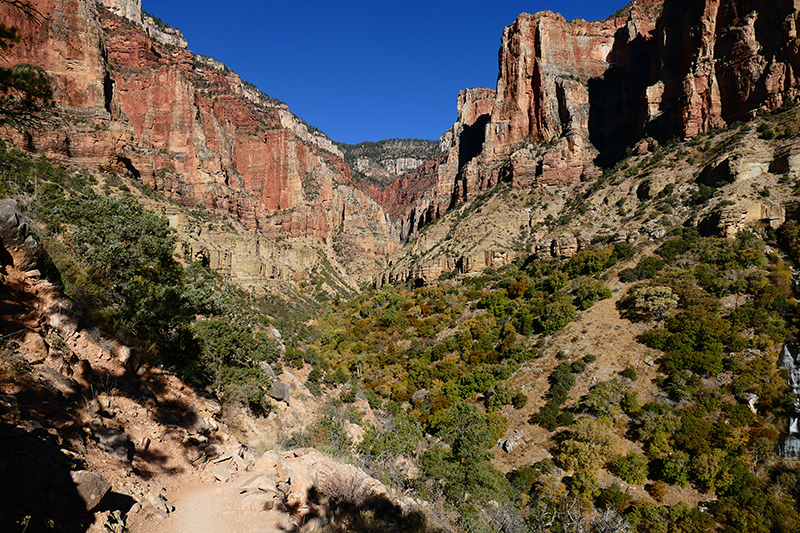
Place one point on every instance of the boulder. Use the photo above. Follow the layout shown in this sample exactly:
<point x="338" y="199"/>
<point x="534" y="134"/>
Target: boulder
<point x="222" y="473"/>
<point x="57" y="382"/>
<point x="513" y="441"/>
<point x="564" y="246"/>
<point x="18" y="247"/>
<point x="115" y="442"/>
<point x="91" y="488"/>
<point x="33" y="348"/>
<point x="281" y="391"/>
<point x="267" y="368"/>
<point x="258" y="502"/>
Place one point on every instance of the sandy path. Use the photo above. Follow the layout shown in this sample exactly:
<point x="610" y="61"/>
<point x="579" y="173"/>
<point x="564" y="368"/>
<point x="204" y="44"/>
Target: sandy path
<point x="215" y="508"/>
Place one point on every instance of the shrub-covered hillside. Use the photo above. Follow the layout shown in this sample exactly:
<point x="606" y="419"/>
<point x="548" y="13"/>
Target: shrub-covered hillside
<point x="719" y="311"/>
<point x="116" y="259"/>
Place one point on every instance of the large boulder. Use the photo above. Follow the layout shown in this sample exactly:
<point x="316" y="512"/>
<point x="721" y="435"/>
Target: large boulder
<point x="91" y="487"/>
<point x="76" y="494"/>
<point x="18" y="247"/>
<point x="281" y="391"/>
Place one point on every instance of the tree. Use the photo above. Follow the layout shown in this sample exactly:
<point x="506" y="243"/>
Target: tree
<point x="591" y="444"/>
<point x="675" y="468"/>
<point x="654" y="302"/>
<point x="122" y="270"/>
<point x="466" y="467"/>
<point x="632" y="468"/>
<point x="25" y="92"/>
<point x="556" y="316"/>
<point x="605" y="397"/>
<point x="591" y="291"/>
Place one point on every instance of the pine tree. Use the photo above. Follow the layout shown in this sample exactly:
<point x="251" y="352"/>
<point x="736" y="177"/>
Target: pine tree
<point x="25" y="92"/>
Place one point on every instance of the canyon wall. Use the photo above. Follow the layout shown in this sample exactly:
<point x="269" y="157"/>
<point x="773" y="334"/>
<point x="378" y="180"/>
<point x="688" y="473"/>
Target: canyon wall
<point x="574" y="96"/>
<point x="571" y="98"/>
<point x="131" y="96"/>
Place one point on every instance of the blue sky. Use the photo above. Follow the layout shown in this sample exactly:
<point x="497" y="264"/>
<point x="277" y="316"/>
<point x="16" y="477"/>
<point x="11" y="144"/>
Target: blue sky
<point x="362" y="70"/>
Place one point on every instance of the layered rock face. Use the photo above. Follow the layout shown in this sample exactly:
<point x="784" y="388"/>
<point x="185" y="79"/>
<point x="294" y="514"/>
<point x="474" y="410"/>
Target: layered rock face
<point x="573" y="95"/>
<point x="206" y="137"/>
<point x="131" y="95"/>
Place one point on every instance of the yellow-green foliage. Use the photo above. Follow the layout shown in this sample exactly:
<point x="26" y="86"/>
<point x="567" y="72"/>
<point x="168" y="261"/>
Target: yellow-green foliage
<point x="591" y="444"/>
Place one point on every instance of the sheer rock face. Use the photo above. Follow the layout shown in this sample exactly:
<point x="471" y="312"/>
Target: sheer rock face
<point x="188" y="127"/>
<point x="67" y="42"/>
<point x="212" y="140"/>
<point x="573" y="94"/>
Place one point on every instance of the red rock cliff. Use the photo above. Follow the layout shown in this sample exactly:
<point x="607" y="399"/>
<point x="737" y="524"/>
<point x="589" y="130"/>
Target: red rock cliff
<point x="133" y="95"/>
<point x="572" y="95"/>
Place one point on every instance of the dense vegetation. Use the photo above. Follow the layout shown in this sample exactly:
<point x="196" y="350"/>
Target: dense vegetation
<point x="722" y="309"/>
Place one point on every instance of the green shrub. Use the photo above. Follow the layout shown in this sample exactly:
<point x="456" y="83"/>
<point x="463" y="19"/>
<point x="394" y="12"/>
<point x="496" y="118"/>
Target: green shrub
<point x="590" y="444"/>
<point x="614" y="497"/>
<point x="465" y="468"/>
<point x="576" y="367"/>
<point x="604" y="398"/>
<point x="765" y="131"/>
<point x="646" y="269"/>
<point x="547" y="417"/>
<point x="632" y="468"/>
<point x="519" y="400"/>
<point x="565" y="418"/>
<point x="675" y="468"/>
<point x="122" y="271"/>
<point x="247" y="386"/>
<point x="589" y="262"/>
<point x="556" y="316"/>
<point x="647" y="301"/>
<point x="591" y="291"/>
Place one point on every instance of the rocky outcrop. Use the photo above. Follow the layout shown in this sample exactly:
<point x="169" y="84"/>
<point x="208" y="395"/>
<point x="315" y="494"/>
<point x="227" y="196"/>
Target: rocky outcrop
<point x="18" y="247"/>
<point x="128" y="9"/>
<point x="155" y="28"/>
<point x="737" y="218"/>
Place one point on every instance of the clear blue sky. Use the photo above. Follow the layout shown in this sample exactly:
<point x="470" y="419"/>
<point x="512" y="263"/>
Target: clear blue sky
<point x="362" y="70"/>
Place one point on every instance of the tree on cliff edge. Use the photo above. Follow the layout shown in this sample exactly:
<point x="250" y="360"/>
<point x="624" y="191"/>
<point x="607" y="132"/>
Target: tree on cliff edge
<point x="25" y="92"/>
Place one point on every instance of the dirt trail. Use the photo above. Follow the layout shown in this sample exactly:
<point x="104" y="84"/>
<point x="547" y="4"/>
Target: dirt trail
<point x="215" y="508"/>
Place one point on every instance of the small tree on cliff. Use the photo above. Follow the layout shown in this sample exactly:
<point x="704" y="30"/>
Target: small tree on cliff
<point x="25" y="92"/>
